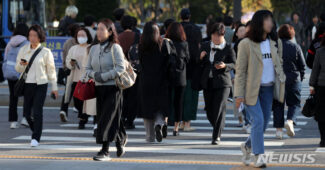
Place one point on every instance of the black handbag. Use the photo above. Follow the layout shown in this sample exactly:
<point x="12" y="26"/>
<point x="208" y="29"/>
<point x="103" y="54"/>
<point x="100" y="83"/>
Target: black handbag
<point x="309" y="107"/>
<point x="20" y="85"/>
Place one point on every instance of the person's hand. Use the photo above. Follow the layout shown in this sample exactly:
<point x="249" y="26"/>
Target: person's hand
<point x="203" y="54"/>
<point x="221" y="65"/>
<point x="23" y="63"/>
<point x="312" y="90"/>
<point x="239" y="101"/>
<point x="98" y="77"/>
<point x="56" y="94"/>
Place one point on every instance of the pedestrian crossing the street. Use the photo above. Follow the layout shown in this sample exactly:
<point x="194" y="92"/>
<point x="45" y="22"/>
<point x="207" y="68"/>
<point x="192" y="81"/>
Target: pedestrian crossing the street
<point x="68" y="137"/>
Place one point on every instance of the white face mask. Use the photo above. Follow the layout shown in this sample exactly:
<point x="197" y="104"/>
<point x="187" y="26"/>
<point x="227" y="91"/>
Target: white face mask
<point x="82" y="40"/>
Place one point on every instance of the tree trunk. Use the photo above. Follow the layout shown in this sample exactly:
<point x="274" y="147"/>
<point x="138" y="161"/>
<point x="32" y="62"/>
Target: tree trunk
<point x="237" y="10"/>
<point x="157" y="7"/>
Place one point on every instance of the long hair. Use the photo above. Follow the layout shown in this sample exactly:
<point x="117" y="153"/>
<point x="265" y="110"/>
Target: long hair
<point x="320" y="30"/>
<point x="149" y="42"/>
<point x="113" y="38"/>
<point x="256" y="30"/>
<point x="235" y="37"/>
<point x="176" y="32"/>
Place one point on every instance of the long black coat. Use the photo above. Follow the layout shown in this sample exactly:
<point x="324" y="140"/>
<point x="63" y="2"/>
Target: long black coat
<point x="183" y="53"/>
<point x="194" y="38"/>
<point x="221" y="77"/>
<point x="153" y="83"/>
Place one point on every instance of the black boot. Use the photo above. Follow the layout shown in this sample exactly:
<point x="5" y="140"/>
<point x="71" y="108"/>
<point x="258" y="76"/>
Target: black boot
<point x="164" y="130"/>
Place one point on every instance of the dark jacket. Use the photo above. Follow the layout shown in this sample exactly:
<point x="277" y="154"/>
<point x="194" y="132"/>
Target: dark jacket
<point x="293" y="61"/>
<point x="317" y="77"/>
<point x="315" y="44"/>
<point x="153" y="83"/>
<point x="182" y="53"/>
<point x="221" y="78"/>
<point x="193" y="37"/>
<point x="64" y="26"/>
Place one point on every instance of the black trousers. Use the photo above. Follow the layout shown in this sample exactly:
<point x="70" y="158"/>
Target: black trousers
<point x="79" y="105"/>
<point x="34" y="98"/>
<point x="65" y="106"/>
<point x="131" y="104"/>
<point x="321" y="127"/>
<point x="13" y="102"/>
<point x="109" y="111"/>
<point x="179" y="92"/>
<point x="216" y="106"/>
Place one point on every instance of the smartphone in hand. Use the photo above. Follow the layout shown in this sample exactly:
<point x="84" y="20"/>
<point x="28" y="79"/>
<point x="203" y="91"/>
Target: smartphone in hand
<point x="53" y="96"/>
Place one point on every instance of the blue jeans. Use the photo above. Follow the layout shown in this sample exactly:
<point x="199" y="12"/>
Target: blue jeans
<point x="292" y="99"/>
<point x="259" y="117"/>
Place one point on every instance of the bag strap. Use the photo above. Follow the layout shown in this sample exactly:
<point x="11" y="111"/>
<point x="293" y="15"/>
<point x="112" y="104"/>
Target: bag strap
<point x="113" y="56"/>
<point x="32" y="59"/>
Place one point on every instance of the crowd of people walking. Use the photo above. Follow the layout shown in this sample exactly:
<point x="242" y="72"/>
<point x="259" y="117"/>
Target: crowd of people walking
<point x="259" y="66"/>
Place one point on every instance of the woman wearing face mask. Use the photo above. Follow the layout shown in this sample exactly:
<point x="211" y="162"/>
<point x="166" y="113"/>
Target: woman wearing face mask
<point x="106" y="62"/>
<point x="74" y="61"/>
<point x="259" y="75"/>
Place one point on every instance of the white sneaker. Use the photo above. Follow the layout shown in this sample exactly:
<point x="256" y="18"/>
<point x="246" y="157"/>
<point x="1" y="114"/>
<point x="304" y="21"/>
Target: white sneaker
<point x="34" y="143"/>
<point x="75" y="110"/>
<point x="24" y="122"/>
<point x="279" y="134"/>
<point x="63" y="116"/>
<point x="248" y="129"/>
<point x="188" y="129"/>
<point x="13" y="125"/>
<point x="246" y="154"/>
<point x="290" y="129"/>
<point x="259" y="162"/>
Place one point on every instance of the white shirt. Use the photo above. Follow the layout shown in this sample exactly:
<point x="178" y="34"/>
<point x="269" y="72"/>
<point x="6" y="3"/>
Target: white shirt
<point x="213" y="53"/>
<point x="268" y="67"/>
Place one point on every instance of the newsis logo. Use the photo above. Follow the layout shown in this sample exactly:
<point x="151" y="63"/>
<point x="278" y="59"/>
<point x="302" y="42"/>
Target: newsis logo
<point x="293" y="158"/>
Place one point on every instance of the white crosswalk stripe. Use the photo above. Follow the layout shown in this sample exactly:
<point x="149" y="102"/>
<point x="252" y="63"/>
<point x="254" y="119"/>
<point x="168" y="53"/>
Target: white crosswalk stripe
<point x="196" y="142"/>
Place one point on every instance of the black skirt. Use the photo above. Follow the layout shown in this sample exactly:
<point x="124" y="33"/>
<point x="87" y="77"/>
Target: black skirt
<point x="320" y="106"/>
<point x="109" y="110"/>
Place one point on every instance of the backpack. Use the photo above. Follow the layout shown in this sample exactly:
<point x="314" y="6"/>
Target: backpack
<point x="133" y="54"/>
<point x="9" y="63"/>
<point x="176" y="64"/>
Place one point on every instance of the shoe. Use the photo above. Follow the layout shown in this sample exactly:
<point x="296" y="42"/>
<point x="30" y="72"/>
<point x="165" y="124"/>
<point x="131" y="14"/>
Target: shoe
<point x="259" y="162"/>
<point x="120" y="151"/>
<point x="290" y="129"/>
<point x="188" y="129"/>
<point x="63" y="116"/>
<point x="158" y="133"/>
<point x="102" y="156"/>
<point x="248" y="129"/>
<point x="95" y="130"/>
<point x="240" y="125"/>
<point x="75" y="110"/>
<point x="34" y="143"/>
<point x="230" y="100"/>
<point x="13" y="125"/>
<point x="24" y="122"/>
<point x="175" y="133"/>
<point x="322" y="144"/>
<point x="216" y="141"/>
<point x="279" y="134"/>
<point x="82" y="125"/>
<point x="164" y="131"/>
<point x="246" y="154"/>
